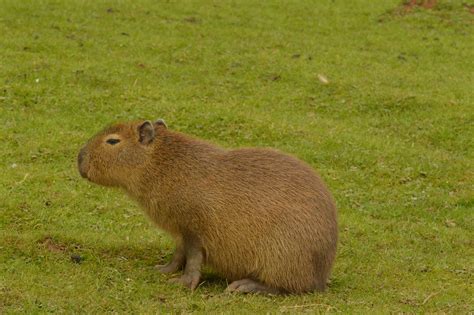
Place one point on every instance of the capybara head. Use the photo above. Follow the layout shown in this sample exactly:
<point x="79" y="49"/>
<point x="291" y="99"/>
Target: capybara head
<point x="117" y="154"/>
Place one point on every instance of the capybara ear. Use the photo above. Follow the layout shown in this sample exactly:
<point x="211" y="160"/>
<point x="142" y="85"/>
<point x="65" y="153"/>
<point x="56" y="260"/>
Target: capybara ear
<point x="146" y="132"/>
<point x="161" y="122"/>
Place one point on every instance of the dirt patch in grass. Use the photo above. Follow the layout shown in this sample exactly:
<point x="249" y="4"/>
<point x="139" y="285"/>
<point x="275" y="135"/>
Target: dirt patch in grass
<point x="447" y="12"/>
<point x="8" y="297"/>
<point x="426" y="4"/>
<point x="469" y="7"/>
<point x="52" y="245"/>
<point x="408" y="6"/>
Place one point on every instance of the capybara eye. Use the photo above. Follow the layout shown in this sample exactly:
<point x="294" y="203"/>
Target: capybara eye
<point x="113" y="141"/>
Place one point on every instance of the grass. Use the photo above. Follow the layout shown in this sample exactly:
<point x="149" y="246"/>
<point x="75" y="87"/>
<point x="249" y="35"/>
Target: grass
<point x="391" y="133"/>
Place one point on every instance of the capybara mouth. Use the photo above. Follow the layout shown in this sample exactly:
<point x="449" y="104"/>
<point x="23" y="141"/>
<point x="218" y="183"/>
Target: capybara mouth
<point x="80" y="164"/>
<point x="83" y="172"/>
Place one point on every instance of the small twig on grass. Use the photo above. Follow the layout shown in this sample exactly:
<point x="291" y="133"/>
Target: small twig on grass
<point x="429" y="297"/>
<point x="24" y="178"/>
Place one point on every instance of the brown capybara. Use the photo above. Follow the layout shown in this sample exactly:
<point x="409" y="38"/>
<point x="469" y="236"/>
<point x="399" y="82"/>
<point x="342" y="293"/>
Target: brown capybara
<point x="258" y="217"/>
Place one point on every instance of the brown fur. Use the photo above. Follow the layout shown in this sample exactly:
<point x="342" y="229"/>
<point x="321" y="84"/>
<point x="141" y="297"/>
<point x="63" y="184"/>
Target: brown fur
<point x="250" y="213"/>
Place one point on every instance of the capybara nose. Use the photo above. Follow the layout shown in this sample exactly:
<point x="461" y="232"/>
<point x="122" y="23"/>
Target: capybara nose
<point x="80" y="160"/>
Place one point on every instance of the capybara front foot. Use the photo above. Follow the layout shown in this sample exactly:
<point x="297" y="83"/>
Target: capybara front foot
<point x="250" y="286"/>
<point x="176" y="263"/>
<point x="170" y="267"/>
<point x="188" y="280"/>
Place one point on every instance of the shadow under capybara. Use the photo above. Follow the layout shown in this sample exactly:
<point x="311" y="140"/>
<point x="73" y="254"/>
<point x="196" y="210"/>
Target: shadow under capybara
<point x="260" y="218"/>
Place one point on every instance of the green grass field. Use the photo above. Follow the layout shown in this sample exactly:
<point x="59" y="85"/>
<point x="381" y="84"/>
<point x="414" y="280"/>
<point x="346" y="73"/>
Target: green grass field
<point x="380" y="101"/>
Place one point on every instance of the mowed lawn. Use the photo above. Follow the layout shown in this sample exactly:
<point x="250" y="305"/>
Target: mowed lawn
<point x="377" y="97"/>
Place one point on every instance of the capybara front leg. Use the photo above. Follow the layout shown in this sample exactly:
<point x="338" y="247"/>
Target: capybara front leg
<point x="176" y="263"/>
<point x="192" y="271"/>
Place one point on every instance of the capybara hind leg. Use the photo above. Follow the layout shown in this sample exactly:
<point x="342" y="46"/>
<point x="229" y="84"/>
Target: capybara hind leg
<point x="176" y="263"/>
<point x="250" y="286"/>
